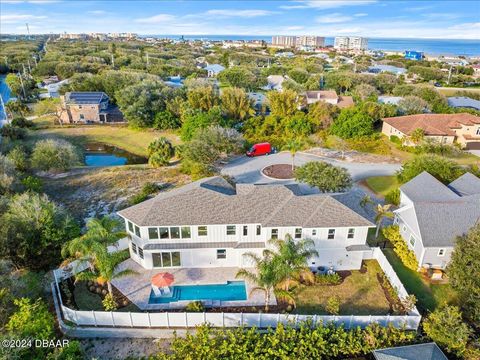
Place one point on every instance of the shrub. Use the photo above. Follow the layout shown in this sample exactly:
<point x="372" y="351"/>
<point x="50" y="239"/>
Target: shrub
<point x="8" y="174"/>
<point x="12" y="132"/>
<point x="195" y="306"/>
<point x="147" y="190"/>
<point x="443" y="169"/>
<point x="109" y="303"/>
<point x="328" y="279"/>
<point x="160" y="152"/>
<point x="33" y="183"/>
<point x="195" y="169"/>
<point x="324" y="176"/>
<point x="21" y="122"/>
<point x="352" y="123"/>
<point x="19" y="157"/>
<point x="395" y="139"/>
<point x="333" y="305"/>
<point x="54" y="155"/>
<point x="369" y="144"/>
<point x="400" y="246"/>
<point x="166" y="120"/>
<point x="393" y="197"/>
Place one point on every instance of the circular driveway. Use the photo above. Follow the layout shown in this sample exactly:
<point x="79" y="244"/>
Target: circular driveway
<point x="247" y="170"/>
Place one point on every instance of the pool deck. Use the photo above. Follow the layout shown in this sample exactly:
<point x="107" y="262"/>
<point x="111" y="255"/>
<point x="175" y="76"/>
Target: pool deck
<point x="137" y="287"/>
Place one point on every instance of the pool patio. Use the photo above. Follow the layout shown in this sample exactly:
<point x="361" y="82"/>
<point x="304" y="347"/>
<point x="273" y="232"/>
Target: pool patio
<point x="137" y="287"/>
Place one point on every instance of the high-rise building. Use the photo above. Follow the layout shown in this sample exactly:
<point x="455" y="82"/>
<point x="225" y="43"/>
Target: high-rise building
<point x="351" y="43"/>
<point x="313" y="41"/>
<point x="287" y="41"/>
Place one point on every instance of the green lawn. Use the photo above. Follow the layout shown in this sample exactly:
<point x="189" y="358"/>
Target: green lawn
<point x="360" y="294"/>
<point x="382" y="184"/>
<point x="133" y="141"/>
<point x="86" y="300"/>
<point x="429" y="295"/>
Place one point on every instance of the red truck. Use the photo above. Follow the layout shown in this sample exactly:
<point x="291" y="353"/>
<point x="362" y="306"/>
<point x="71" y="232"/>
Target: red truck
<point x="260" y="149"/>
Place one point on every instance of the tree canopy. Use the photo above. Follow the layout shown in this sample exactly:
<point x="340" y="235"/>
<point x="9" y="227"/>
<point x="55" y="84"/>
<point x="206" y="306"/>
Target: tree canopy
<point x="324" y="176"/>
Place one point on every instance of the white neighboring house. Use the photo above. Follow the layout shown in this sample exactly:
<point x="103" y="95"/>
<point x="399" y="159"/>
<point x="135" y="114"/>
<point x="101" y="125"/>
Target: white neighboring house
<point x="432" y="215"/>
<point x="210" y="223"/>
<point x="214" y="69"/>
<point x="274" y="82"/>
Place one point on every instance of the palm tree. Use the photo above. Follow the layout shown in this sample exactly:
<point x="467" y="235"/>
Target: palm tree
<point x="294" y="146"/>
<point x="106" y="269"/>
<point x="365" y="200"/>
<point x="291" y="259"/>
<point x="265" y="276"/>
<point x="382" y="212"/>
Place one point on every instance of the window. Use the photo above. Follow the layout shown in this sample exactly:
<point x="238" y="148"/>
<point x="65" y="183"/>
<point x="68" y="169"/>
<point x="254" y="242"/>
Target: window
<point x="202" y="231"/>
<point x="175" y="232"/>
<point x="137" y="231"/>
<point x="221" y="254"/>
<point x="404" y="228"/>
<point x="259" y="229"/>
<point x="314" y="232"/>
<point x="186" y="232"/>
<point x="230" y="229"/>
<point x="274" y="234"/>
<point x="130" y="226"/>
<point x="478" y="131"/>
<point x="153" y="233"/>
<point x="245" y="230"/>
<point x="331" y="234"/>
<point x="134" y="247"/>
<point x="82" y="117"/>
<point x="441" y="252"/>
<point x="166" y="259"/>
<point x="351" y="233"/>
<point x="298" y="233"/>
<point x="412" y="241"/>
<point x="140" y="252"/>
<point x="163" y="233"/>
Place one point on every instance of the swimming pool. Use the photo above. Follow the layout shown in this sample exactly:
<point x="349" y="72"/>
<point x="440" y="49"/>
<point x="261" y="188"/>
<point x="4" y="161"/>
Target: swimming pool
<point x="231" y="291"/>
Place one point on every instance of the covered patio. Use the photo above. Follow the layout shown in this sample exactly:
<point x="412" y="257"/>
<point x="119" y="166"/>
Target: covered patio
<point x="137" y="287"/>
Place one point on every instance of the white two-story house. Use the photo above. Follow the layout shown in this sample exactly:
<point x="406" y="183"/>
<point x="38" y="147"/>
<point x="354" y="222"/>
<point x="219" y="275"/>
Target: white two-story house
<point x="210" y="223"/>
<point x="432" y="215"/>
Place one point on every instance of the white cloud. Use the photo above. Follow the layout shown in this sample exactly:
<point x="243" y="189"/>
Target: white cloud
<point x="360" y="14"/>
<point x="160" y="18"/>
<point x="294" y="28"/>
<point x="15" y="18"/>
<point x="39" y="2"/>
<point x="333" y="18"/>
<point x="98" y="12"/>
<point x="328" y="4"/>
<point x="239" y="13"/>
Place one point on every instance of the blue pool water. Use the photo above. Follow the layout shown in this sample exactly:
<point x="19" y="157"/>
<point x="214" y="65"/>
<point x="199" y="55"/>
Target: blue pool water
<point x="99" y="154"/>
<point x="231" y="291"/>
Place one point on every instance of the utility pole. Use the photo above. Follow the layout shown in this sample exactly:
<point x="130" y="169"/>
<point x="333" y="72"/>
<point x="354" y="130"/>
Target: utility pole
<point x="23" y="87"/>
<point x="113" y="62"/>
<point x="28" y="31"/>
<point x="148" y="62"/>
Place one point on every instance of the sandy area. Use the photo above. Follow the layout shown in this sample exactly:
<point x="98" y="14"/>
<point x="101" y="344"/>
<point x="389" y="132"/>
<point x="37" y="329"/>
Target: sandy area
<point x="107" y="349"/>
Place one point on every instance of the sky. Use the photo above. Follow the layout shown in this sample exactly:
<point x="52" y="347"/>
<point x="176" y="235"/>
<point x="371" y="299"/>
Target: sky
<point x="370" y="18"/>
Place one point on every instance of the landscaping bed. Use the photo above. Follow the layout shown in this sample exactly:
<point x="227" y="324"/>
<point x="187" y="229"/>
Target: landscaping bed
<point x="279" y="171"/>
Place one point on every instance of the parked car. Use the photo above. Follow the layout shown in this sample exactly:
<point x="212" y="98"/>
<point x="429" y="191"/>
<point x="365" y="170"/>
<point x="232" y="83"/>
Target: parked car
<point x="260" y="149"/>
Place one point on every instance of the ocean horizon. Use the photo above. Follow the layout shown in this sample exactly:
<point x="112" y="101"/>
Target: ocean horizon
<point x="459" y="47"/>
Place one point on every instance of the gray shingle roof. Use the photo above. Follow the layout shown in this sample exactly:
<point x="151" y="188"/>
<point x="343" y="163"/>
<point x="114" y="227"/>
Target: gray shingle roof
<point x="215" y="201"/>
<point x="467" y="184"/>
<point x="425" y="187"/>
<point x="429" y="351"/>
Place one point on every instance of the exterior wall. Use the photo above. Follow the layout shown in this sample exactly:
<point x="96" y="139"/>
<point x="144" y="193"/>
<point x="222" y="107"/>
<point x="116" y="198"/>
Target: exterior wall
<point x="389" y="130"/>
<point x="407" y="234"/>
<point x="470" y="131"/>
<point x="332" y="252"/>
<point x="433" y="260"/>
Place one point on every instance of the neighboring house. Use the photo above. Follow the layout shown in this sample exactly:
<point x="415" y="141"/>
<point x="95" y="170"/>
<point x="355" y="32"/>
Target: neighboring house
<point x="428" y="351"/>
<point x="391" y="100"/>
<point x="214" y="69"/>
<point x="461" y="128"/>
<point x="274" y="82"/>
<point x="174" y="81"/>
<point x="88" y="107"/>
<point x="328" y="96"/>
<point x="53" y="89"/>
<point x="259" y="101"/>
<point x="210" y="223"/>
<point x="432" y="215"/>
<point x="377" y="69"/>
<point x="463" y="102"/>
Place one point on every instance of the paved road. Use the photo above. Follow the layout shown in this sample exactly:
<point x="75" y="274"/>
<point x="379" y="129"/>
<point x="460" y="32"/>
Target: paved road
<point x="247" y="170"/>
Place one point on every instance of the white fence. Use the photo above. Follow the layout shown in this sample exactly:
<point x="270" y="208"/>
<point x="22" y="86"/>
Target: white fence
<point x="175" y="320"/>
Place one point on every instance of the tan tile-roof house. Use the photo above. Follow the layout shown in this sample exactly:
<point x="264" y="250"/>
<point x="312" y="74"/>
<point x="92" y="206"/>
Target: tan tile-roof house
<point x="328" y="96"/>
<point x="462" y="128"/>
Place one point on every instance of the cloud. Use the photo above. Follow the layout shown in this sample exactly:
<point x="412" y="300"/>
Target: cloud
<point x="333" y="18"/>
<point x="360" y="14"/>
<point x="39" y="2"/>
<point x="239" y="13"/>
<point x="330" y="4"/>
<point x="160" y="18"/>
<point x="293" y="28"/>
<point x="15" y="18"/>
<point x="97" y="12"/>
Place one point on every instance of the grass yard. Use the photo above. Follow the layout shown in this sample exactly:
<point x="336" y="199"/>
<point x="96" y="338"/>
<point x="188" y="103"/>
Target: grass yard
<point x="429" y="295"/>
<point x="382" y="184"/>
<point x="88" y="301"/>
<point x="133" y="141"/>
<point x="360" y="294"/>
<point x="450" y="91"/>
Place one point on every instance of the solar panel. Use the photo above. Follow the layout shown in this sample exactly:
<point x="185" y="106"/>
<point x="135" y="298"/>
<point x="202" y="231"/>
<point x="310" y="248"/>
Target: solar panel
<point x="86" y="97"/>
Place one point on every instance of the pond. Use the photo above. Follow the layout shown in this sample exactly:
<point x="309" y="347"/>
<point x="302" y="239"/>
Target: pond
<point x="99" y="154"/>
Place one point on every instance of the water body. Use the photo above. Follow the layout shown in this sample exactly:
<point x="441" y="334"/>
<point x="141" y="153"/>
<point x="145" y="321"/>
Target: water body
<point x="5" y="94"/>
<point x="428" y="46"/>
<point x="99" y="154"/>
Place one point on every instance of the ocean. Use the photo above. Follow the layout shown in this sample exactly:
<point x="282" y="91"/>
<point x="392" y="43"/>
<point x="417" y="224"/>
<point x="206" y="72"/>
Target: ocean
<point x="428" y="46"/>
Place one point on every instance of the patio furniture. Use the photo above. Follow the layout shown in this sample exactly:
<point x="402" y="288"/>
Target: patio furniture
<point x="161" y="283"/>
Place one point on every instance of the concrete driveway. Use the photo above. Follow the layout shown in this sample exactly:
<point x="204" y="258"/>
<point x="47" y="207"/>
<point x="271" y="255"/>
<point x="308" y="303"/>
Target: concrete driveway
<point x="247" y="170"/>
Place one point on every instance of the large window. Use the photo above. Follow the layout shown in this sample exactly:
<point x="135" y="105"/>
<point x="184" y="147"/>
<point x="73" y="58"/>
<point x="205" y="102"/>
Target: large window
<point x="153" y="233"/>
<point x="137" y="231"/>
<point x="130" y="226"/>
<point x="231" y="229"/>
<point x="221" y="254"/>
<point x="351" y="233"/>
<point x="274" y="234"/>
<point x="175" y="232"/>
<point x="298" y="233"/>
<point x="166" y="259"/>
<point x="202" y="231"/>
<point x="140" y="252"/>
<point x="331" y="234"/>
<point x="163" y="233"/>
<point x="186" y="234"/>
<point x="134" y="247"/>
